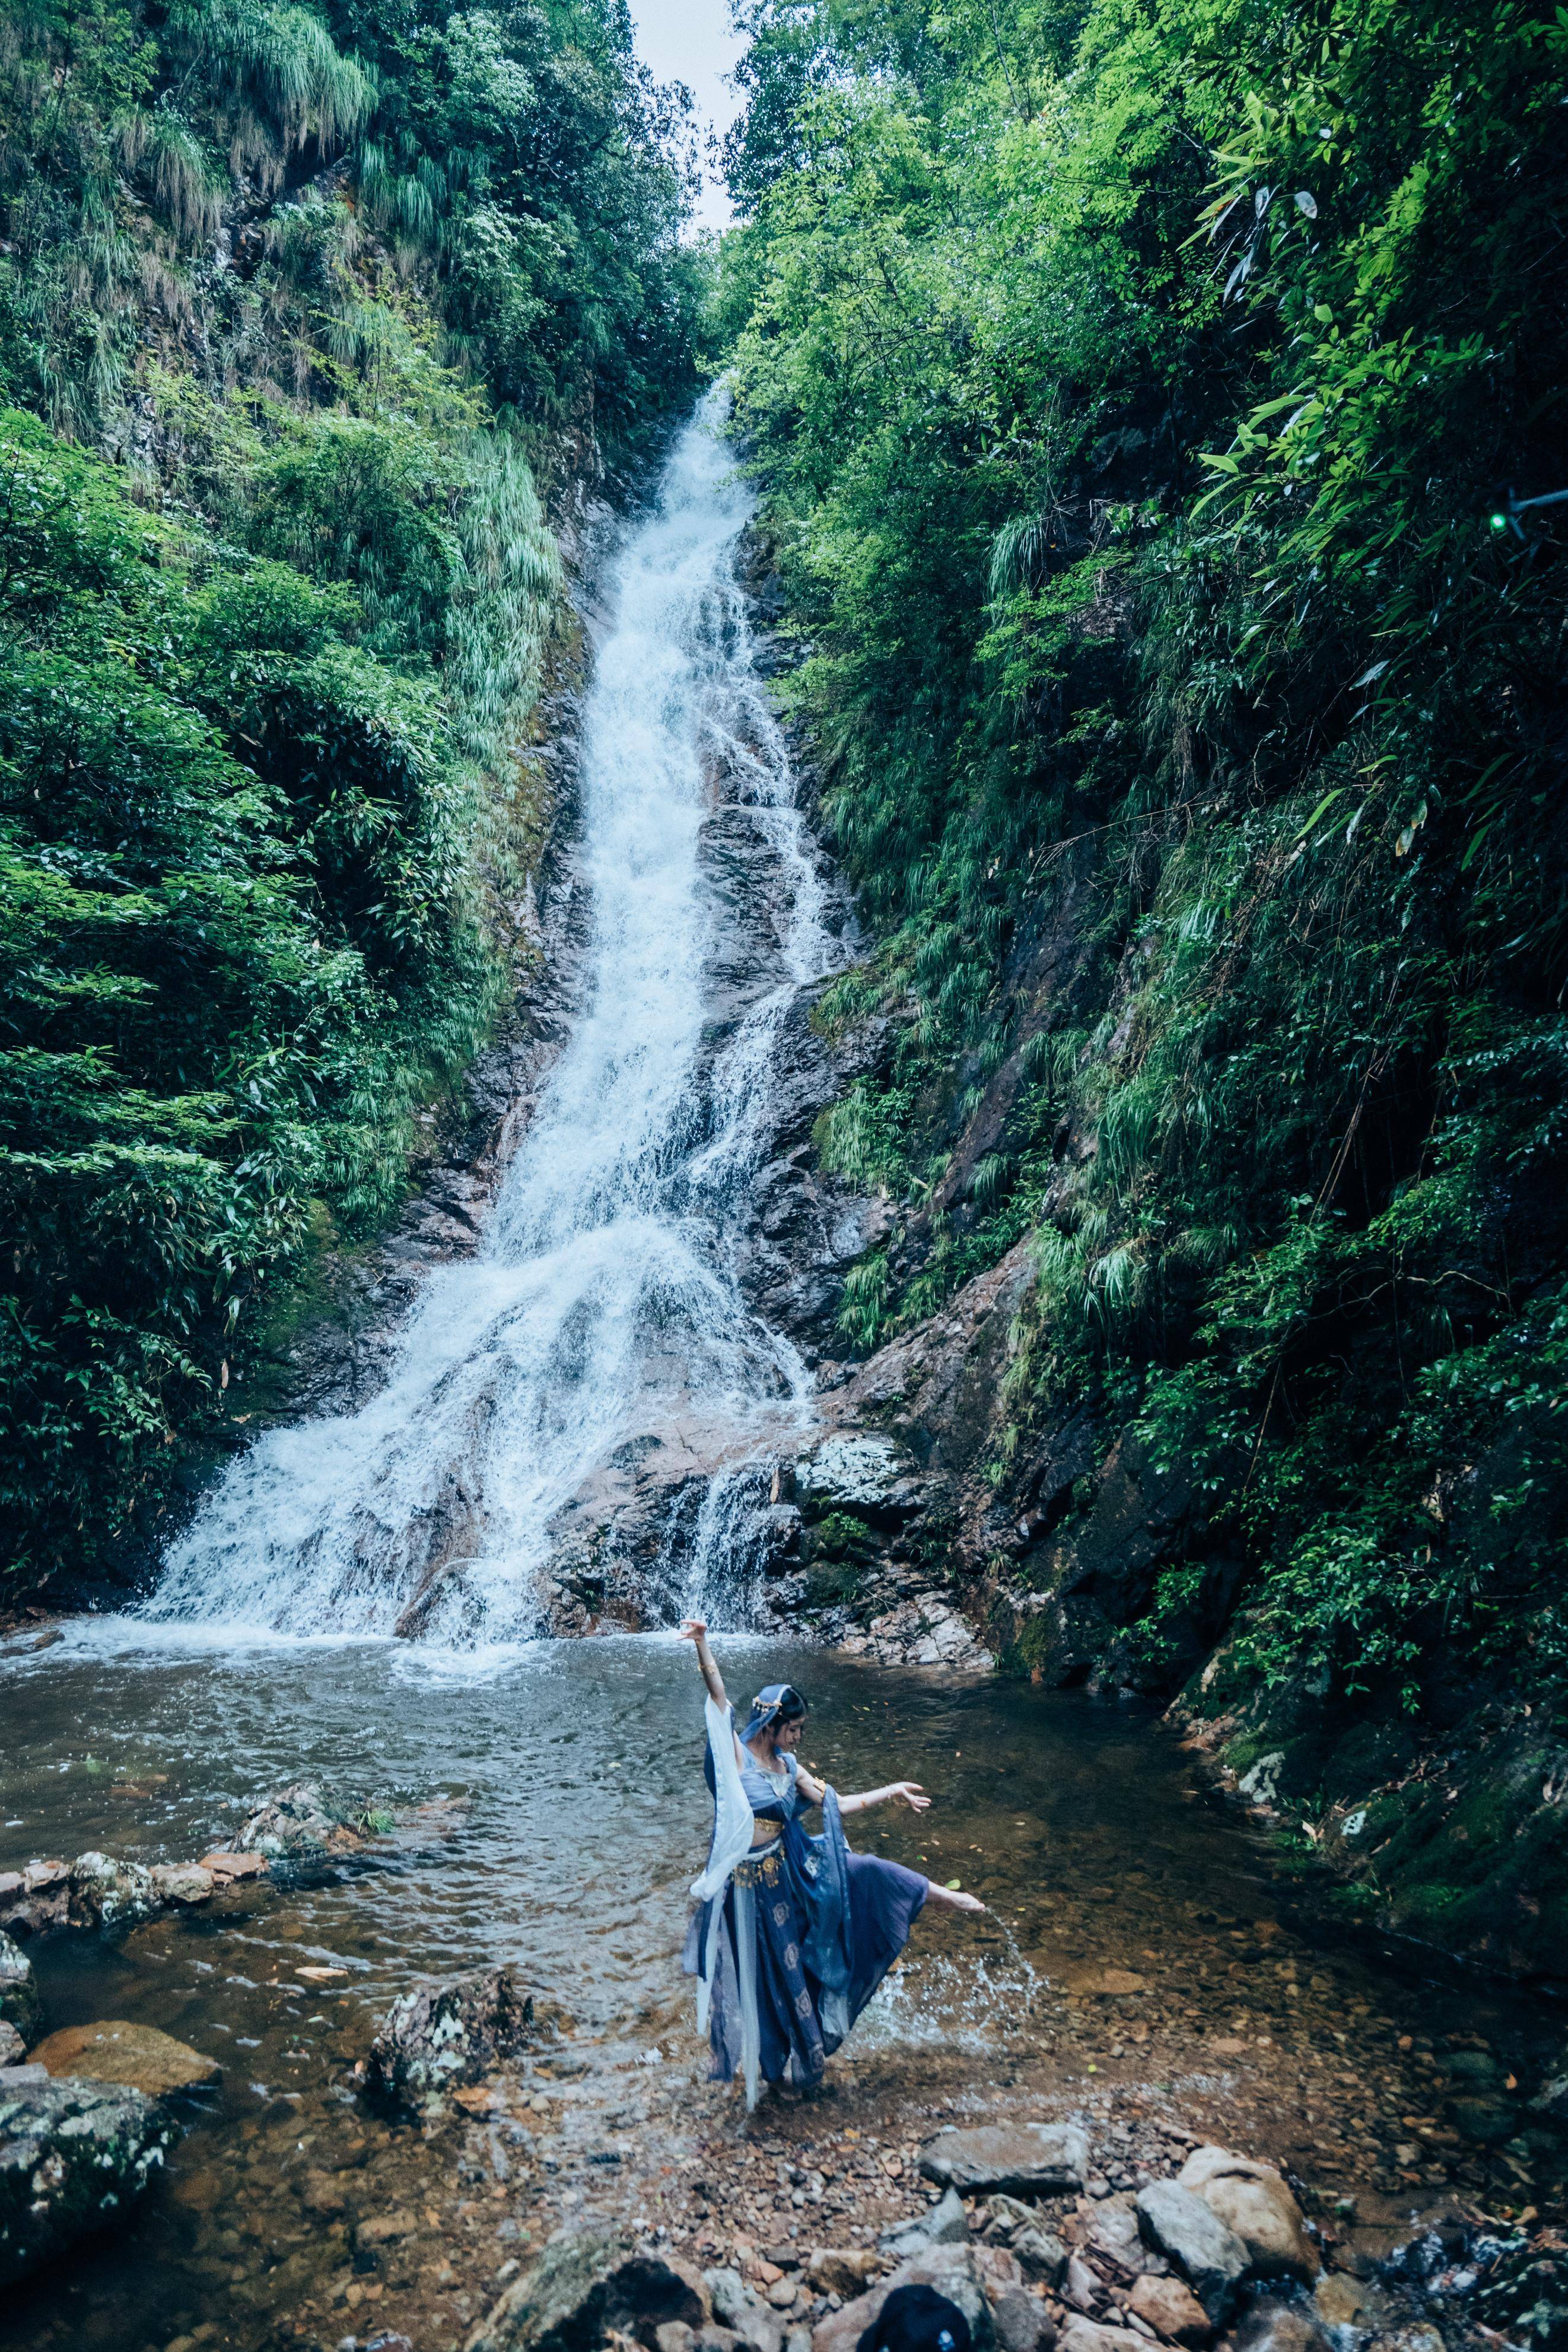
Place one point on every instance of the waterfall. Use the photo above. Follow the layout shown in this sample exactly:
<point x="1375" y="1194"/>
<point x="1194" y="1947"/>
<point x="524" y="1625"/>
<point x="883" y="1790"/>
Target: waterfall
<point x="601" y="1306"/>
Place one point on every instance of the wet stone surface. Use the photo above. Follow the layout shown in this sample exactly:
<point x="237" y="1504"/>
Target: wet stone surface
<point x="1143" y="1976"/>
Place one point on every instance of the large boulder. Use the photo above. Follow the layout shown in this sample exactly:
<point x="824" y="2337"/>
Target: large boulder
<point x="860" y="1471"/>
<point x="584" y="2285"/>
<point x="20" y="2004"/>
<point x="951" y="2270"/>
<point x="1210" y="2257"/>
<point x="74" y="2156"/>
<point x="1029" y="2160"/>
<point x="139" y="2056"/>
<point x="105" y="1893"/>
<point x="440" y="2036"/>
<point x="1252" y="2199"/>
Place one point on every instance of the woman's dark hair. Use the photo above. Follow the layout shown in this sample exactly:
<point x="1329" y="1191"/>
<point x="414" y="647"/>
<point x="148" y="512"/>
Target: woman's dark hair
<point x="779" y="1703"/>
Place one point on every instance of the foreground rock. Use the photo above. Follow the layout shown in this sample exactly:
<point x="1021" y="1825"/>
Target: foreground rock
<point x="442" y="2036"/>
<point x="952" y="2271"/>
<point x="136" y="2056"/>
<point x="1210" y="2257"/>
<point x="1029" y="2160"/>
<point x="581" y="2288"/>
<point x="20" y="2007"/>
<point x="74" y="2156"/>
<point x="1252" y="2199"/>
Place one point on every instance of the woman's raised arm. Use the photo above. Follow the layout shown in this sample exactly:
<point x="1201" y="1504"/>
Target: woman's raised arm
<point x="695" y="1630"/>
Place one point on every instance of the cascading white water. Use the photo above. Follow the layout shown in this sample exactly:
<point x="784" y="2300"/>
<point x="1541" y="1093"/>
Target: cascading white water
<point x="600" y="1308"/>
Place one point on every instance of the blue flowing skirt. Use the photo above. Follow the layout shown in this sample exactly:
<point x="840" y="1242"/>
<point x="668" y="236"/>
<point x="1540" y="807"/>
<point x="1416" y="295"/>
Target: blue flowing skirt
<point x="800" y="2021"/>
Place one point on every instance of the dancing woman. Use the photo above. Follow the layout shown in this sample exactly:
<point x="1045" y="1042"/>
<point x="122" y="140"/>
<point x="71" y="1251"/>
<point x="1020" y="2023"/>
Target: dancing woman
<point x="792" y="1934"/>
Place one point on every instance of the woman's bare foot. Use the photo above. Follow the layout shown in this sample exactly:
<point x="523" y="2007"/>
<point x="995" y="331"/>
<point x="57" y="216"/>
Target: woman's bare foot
<point x="953" y="1898"/>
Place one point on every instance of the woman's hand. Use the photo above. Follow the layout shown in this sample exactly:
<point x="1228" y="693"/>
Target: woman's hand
<point x="695" y="1630"/>
<point x="913" y="1795"/>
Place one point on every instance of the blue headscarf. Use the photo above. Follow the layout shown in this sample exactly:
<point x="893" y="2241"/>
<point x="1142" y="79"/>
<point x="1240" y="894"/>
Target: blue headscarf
<point x="772" y="1706"/>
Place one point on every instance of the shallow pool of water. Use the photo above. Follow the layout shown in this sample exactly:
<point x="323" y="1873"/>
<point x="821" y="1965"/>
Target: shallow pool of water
<point x="581" y="1819"/>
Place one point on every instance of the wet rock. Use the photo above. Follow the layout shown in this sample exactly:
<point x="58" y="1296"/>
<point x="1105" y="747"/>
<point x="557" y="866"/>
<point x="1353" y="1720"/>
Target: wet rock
<point x="1253" y="2200"/>
<point x="868" y="1474"/>
<point x="1022" y="2323"/>
<point x="74" y="2156"/>
<point x="1171" y="2309"/>
<point x="1209" y="2254"/>
<point x="105" y="1893"/>
<point x="441" y="2035"/>
<point x="946" y="2223"/>
<point x="1081" y="2334"/>
<point x="1271" y="2324"/>
<point x="186" y="1882"/>
<point x="926" y="1630"/>
<point x="36" y="1898"/>
<point x="951" y="2270"/>
<point x="584" y="2285"/>
<point x="20" y="2004"/>
<point x="12" y="2049"/>
<point x="1030" y="2159"/>
<point x="298" y="1823"/>
<point x="114" y="2051"/>
<point x="227" y="1867"/>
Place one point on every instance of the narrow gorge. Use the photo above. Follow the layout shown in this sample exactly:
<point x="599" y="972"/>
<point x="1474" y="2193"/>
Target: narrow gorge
<point x="853" y="925"/>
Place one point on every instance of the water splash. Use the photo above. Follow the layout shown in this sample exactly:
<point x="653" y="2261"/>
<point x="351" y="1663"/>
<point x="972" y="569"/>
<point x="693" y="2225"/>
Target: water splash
<point x="601" y="1308"/>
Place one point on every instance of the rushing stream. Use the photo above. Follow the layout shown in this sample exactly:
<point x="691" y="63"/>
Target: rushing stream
<point x="1133" y="1921"/>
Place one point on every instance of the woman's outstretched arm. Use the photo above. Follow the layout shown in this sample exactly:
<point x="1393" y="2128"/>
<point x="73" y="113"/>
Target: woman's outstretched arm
<point x="695" y="1630"/>
<point x="913" y="1794"/>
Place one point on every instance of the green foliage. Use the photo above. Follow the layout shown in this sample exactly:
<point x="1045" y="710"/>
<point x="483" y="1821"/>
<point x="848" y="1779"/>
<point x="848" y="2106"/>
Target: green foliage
<point x="324" y="289"/>
<point x="1137" y="396"/>
<point x="241" y="934"/>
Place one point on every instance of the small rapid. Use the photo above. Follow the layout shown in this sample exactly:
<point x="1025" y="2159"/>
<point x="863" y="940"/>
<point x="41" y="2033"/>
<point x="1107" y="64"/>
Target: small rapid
<point x="601" y="1308"/>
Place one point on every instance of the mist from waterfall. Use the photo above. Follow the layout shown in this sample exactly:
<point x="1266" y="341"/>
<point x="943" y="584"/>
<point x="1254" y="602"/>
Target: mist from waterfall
<point x="600" y="1308"/>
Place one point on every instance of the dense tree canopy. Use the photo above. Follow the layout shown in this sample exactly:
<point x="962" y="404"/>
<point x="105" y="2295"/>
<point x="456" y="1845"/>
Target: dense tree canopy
<point x="1150" y="396"/>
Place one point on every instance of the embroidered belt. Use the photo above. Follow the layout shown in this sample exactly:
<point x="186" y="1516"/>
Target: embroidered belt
<point x="757" y="1873"/>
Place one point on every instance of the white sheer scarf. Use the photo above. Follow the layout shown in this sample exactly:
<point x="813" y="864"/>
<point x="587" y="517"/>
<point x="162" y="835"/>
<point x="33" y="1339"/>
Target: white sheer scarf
<point x="731" y="1844"/>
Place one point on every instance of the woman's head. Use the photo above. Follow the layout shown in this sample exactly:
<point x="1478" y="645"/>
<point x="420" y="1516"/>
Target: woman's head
<point x="777" y="1715"/>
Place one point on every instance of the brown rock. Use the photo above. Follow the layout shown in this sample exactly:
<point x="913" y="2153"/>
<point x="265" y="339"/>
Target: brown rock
<point x="841" y="2270"/>
<point x="382" y="2228"/>
<point x="114" y="2051"/>
<point x="1171" y="2309"/>
<point x="321" y="2194"/>
<point x="1252" y="2199"/>
<point x="226" y="1867"/>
